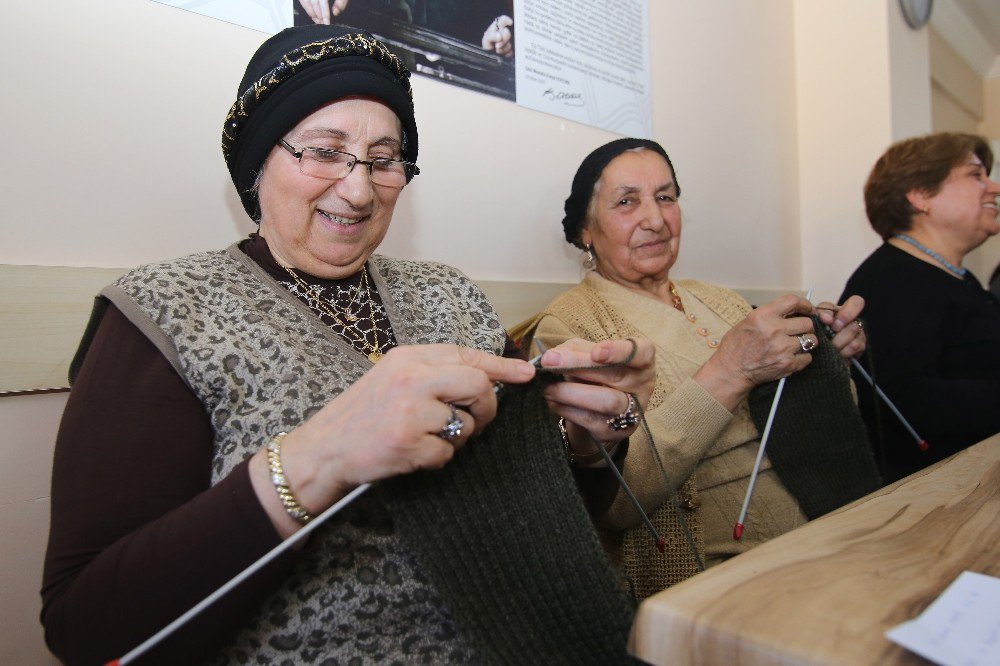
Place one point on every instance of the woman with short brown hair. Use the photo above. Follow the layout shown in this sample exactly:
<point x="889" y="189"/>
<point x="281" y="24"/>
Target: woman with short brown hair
<point x="934" y="331"/>
<point x="920" y="163"/>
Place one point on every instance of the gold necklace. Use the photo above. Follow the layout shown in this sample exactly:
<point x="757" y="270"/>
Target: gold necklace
<point x="347" y="312"/>
<point x="323" y="306"/>
<point x="690" y="316"/>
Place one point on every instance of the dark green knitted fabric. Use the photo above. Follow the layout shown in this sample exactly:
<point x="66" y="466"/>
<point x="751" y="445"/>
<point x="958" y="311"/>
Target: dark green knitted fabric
<point x="818" y="444"/>
<point x="505" y="537"/>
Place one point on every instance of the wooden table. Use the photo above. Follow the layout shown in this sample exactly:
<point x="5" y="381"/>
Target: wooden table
<point x="826" y="592"/>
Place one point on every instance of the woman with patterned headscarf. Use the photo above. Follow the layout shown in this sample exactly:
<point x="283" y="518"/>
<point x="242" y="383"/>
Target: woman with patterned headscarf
<point x="223" y="400"/>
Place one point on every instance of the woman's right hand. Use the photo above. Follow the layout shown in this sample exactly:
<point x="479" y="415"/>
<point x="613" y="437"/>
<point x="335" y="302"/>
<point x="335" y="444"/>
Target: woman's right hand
<point x="387" y="423"/>
<point x="763" y="347"/>
<point x="498" y="36"/>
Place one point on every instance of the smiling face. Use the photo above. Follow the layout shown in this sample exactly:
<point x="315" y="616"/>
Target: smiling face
<point x="964" y="210"/>
<point x="329" y="228"/>
<point x="634" y="220"/>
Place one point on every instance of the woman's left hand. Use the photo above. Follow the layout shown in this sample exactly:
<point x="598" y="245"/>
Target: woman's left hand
<point x="849" y="333"/>
<point x="588" y="398"/>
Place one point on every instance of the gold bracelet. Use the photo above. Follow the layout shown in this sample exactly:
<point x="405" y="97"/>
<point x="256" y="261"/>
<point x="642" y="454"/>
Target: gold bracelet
<point x="280" y="481"/>
<point x="583" y="459"/>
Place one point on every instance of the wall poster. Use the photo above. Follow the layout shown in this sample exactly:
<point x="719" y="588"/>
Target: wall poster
<point x="584" y="60"/>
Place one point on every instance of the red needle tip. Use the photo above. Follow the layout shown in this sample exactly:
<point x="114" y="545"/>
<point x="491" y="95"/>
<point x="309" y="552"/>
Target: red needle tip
<point x="113" y="662"/>
<point x="738" y="531"/>
<point x="661" y="545"/>
<point x="923" y="445"/>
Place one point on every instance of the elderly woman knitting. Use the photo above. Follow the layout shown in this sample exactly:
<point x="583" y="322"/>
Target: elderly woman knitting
<point x="711" y="351"/>
<point x="226" y="398"/>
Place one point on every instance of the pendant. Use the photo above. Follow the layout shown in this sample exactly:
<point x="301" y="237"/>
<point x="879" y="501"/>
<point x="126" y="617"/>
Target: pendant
<point x="374" y="356"/>
<point x="349" y="317"/>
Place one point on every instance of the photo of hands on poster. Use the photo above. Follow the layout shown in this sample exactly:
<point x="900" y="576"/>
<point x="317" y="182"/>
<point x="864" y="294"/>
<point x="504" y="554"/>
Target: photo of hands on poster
<point x="469" y="44"/>
<point x="583" y="60"/>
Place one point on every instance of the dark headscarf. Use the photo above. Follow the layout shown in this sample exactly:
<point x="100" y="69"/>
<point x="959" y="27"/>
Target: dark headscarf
<point x="294" y="73"/>
<point x="589" y="172"/>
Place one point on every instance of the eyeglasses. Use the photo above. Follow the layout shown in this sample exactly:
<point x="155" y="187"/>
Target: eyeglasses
<point x="335" y="164"/>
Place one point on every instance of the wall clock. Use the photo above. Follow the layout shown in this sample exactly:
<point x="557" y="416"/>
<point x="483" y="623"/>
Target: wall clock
<point x="916" y="12"/>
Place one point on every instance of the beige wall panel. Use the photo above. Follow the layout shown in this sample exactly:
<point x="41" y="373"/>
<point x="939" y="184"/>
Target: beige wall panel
<point x="43" y="312"/>
<point x="29" y="425"/>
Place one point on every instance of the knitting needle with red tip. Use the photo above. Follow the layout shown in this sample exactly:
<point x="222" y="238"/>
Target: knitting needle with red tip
<point x="660" y="543"/>
<point x="921" y="442"/>
<point x="739" y="526"/>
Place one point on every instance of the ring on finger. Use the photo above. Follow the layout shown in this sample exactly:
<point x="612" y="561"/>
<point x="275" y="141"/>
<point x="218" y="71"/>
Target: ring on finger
<point x="452" y="430"/>
<point x="626" y="419"/>
<point x="806" y="343"/>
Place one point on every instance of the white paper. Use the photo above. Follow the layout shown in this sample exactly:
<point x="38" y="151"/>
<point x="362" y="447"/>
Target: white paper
<point x="961" y="627"/>
<point x="268" y="16"/>
<point x="586" y="60"/>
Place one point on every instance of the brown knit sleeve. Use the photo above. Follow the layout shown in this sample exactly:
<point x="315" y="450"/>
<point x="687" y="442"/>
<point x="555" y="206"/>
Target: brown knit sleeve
<point x="137" y="534"/>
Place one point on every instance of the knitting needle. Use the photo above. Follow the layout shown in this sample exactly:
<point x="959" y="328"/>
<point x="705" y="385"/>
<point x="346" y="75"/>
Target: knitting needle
<point x="264" y="560"/>
<point x="541" y="352"/>
<point x="738" y="527"/>
<point x="533" y="361"/>
<point x="660" y="543"/>
<point x="921" y="442"/>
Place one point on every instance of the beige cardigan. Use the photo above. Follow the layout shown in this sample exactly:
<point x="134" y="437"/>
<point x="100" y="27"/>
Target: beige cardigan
<point x="707" y="452"/>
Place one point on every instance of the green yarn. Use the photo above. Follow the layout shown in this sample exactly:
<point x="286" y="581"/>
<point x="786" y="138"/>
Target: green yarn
<point x="818" y="444"/>
<point x="503" y="533"/>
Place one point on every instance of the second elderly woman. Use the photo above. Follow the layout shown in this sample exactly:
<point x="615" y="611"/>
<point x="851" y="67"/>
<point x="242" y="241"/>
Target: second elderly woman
<point x="227" y="398"/>
<point x="935" y="331"/>
<point x="711" y="350"/>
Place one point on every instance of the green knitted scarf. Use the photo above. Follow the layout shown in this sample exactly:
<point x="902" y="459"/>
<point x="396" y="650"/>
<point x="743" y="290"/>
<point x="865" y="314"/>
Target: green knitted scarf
<point x="503" y="533"/>
<point x="818" y="444"/>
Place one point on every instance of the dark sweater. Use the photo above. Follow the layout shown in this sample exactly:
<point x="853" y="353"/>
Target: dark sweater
<point x="935" y="341"/>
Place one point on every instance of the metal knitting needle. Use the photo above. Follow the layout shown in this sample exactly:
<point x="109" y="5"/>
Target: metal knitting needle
<point x="541" y="352"/>
<point x="660" y="543"/>
<point x="264" y="560"/>
<point x="533" y="361"/>
<point x="738" y="527"/>
<point x="921" y="442"/>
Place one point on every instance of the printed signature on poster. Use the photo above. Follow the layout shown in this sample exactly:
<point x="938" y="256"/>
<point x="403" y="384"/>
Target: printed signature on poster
<point x="567" y="98"/>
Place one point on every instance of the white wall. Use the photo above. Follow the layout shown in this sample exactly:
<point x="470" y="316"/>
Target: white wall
<point x="131" y="95"/>
<point x="110" y="126"/>
<point x="863" y="82"/>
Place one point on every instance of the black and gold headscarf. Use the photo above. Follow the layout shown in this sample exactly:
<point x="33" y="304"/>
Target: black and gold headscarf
<point x="294" y="73"/>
